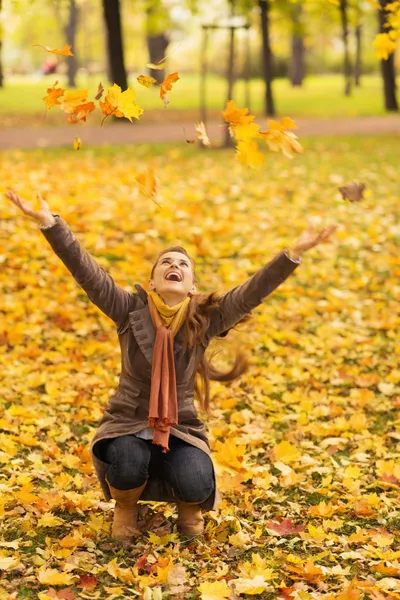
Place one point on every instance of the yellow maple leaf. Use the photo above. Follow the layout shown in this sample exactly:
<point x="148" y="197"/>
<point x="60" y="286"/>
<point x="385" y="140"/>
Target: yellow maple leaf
<point x="146" y="80"/>
<point x="384" y="46"/>
<point x="49" y="520"/>
<point x="286" y="452"/>
<point x="72" y="540"/>
<point x="66" y="51"/>
<point x="230" y="454"/>
<point x="217" y="590"/>
<point x="245" y="132"/>
<point x="286" y="123"/>
<point x="73" y="98"/>
<point x="248" y="152"/>
<point x="54" y="577"/>
<point x="120" y="104"/>
<point x="25" y="496"/>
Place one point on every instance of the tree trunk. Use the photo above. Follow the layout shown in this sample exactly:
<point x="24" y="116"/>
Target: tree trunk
<point x="1" y="63"/>
<point x="297" y="62"/>
<point x="267" y="57"/>
<point x="345" y="35"/>
<point x="115" y="49"/>
<point x="230" y="77"/>
<point x="358" y="60"/>
<point x="387" y="67"/>
<point x="70" y="33"/>
<point x="157" y="46"/>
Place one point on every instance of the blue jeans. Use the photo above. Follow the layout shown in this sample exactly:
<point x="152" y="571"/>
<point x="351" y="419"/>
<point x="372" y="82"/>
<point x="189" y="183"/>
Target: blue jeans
<point x="132" y="460"/>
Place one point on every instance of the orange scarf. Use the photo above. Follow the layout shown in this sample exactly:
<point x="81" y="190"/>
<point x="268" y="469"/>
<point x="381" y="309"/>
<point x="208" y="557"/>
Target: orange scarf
<point x="163" y="411"/>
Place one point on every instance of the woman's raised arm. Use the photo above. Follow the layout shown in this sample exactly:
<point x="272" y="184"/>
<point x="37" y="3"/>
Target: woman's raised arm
<point x="97" y="283"/>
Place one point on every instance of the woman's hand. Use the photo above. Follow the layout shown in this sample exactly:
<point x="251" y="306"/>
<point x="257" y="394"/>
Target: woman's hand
<point x="310" y="238"/>
<point x="43" y="215"/>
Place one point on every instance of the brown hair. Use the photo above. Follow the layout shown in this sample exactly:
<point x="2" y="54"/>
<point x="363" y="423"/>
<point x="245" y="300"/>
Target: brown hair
<point x="194" y="331"/>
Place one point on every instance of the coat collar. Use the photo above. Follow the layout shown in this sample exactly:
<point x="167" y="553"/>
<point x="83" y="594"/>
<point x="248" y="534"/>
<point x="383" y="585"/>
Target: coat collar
<point x="143" y="329"/>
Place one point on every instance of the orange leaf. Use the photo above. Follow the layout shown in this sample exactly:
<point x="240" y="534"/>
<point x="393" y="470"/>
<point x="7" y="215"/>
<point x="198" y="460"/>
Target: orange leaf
<point x="167" y="85"/>
<point x="284" y="527"/>
<point x="66" y="51"/>
<point x="53" y="95"/>
<point x="88" y="582"/>
<point x="237" y="116"/>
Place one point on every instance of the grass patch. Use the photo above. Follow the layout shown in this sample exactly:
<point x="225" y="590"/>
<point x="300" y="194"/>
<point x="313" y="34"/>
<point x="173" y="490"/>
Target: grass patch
<point x="320" y="96"/>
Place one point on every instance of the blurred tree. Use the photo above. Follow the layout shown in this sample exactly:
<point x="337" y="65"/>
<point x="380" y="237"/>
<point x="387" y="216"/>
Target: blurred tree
<point x="347" y="69"/>
<point x="267" y="58"/>
<point x="297" y="67"/>
<point x="388" y="65"/>
<point x="1" y="44"/>
<point x="157" y="24"/>
<point x="115" y="48"/>
<point x="67" y="15"/>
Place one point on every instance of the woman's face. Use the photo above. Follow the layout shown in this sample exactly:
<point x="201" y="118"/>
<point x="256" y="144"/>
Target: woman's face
<point x="173" y="278"/>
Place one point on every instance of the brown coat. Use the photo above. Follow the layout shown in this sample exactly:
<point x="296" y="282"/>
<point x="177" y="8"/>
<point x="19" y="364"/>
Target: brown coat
<point x="127" y="410"/>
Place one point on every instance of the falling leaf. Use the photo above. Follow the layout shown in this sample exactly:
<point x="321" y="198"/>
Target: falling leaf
<point x="146" y="80"/>
<point x="120" y="104"/>
<point x="66" y="51"/>
<point x="236" y="116"/>
<point x="77" y="143"/>
<point x="100" y="91"/>
<point x="157" y="67"/>
<point x="353" y="191"/>
<point x="167" y="85"/>
<point x="147" y="184"/>
<point x="53" y="96"/>
<point x="202" y="134"/>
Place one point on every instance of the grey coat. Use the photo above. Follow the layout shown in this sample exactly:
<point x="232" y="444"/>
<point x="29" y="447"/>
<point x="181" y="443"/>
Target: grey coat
<point x="127" y="410"/>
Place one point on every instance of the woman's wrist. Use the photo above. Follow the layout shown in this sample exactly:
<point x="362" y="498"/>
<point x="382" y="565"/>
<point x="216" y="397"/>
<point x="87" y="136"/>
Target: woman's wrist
<point x="293" y="252"/>
<point x="48" y="222"/>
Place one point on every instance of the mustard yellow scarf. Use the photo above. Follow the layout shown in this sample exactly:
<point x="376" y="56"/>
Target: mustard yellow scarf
<point x="163" y="411"/>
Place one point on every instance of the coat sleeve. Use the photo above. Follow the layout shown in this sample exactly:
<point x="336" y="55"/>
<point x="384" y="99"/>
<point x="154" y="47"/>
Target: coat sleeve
<point x="99" y="286"/>
<point x="243" y="298"/>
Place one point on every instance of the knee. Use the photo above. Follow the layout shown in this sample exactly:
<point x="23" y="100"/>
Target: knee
<point x="128" y="464"/>
<point x="194" y="486"/>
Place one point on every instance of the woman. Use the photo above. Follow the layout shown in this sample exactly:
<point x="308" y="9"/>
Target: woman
<point x="150" y="443"/>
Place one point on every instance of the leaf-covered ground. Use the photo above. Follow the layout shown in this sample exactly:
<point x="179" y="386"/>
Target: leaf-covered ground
<point x="306" y="444"/>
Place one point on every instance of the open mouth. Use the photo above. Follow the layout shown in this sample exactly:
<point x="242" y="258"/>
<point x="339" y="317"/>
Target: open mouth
<point x="174" y="277"/>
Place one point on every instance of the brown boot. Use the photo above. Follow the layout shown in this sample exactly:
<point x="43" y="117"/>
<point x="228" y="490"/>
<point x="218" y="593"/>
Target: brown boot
<point x="124" y="525"/>
<point x="190" y="518"/>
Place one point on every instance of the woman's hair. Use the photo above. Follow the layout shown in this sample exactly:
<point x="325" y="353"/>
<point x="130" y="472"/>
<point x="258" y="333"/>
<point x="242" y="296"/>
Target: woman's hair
<point x="197" y="322"/>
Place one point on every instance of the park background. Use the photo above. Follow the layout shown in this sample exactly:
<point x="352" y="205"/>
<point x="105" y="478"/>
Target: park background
<point x="307" y="443"/>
